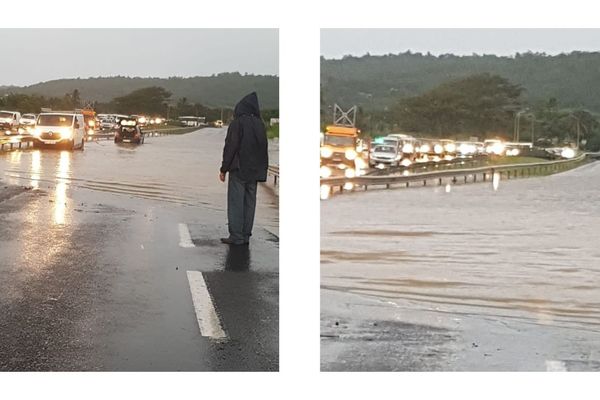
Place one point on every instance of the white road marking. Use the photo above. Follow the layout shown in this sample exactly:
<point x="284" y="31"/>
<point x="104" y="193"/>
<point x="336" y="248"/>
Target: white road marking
<point x="185" y="240"/>
<point x="142" y="246"/>
<point x="208" y="320"/>
<point x="555" y="366"/>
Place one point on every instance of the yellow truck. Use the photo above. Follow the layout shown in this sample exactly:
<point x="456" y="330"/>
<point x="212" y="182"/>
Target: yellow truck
<point x="89" y="116"/>
<point x="341" y="150"/>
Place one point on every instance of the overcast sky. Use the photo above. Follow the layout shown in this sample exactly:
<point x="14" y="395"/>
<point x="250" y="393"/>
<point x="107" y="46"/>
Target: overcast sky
<point x="45" y="54"/>
<point x="336" y="43"/>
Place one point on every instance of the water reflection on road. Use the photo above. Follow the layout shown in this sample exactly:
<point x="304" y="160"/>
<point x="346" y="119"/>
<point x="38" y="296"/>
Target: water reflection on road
<point x="178" y="170"/>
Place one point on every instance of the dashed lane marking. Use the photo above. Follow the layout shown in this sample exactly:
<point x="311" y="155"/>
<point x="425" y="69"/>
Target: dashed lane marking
<point x="208" y="320"/>
<point x="185" y="240"/>
<point x="555" y="366"/>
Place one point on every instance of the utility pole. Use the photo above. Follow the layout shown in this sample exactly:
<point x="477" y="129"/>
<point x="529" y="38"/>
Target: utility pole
<point x="532" y="129"/>
<point x="517" y="132"/>
<point x="578" y="128"/>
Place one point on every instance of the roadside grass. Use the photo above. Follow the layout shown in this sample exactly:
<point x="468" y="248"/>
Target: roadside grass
<point x="514" y="160"/>
<point x="273" y="131"/>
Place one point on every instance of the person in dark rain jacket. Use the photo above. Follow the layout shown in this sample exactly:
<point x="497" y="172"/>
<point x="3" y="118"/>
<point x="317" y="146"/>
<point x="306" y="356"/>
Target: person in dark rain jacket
<point x="246" y="160"/>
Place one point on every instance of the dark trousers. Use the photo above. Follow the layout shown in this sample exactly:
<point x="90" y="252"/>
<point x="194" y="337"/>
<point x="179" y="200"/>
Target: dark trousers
<point x="241" y="204"/>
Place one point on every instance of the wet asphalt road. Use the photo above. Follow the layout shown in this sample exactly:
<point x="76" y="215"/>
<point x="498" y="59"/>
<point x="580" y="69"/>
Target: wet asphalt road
<point x="93" y="275"/>
<point x="464" y="277"/>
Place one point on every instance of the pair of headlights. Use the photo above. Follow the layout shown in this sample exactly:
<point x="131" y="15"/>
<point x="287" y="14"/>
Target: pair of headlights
<point x="350" y="154"/>
<point x="65" y="133"/>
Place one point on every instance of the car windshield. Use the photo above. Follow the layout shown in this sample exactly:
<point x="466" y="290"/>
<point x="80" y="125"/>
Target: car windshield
<point x="385" y="149"/>
<point x="6" y="115"/>
<point x="391" y="142"/>
<point x="30" y="116"/>
<point x="55" y="120"/>
<point x="333" y="140"/>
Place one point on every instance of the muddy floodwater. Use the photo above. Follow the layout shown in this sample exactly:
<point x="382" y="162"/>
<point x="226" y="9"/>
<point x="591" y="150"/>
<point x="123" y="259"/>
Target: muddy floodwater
<point x="502" y="276"/>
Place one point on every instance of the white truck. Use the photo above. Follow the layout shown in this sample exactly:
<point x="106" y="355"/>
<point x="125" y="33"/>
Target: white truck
<point x="9" y="122"/>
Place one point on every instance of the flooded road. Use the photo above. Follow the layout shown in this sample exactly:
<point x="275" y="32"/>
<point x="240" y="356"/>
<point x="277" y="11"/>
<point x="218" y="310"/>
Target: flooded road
<point x="110" y="258"/>
<point x="494" y="276"/>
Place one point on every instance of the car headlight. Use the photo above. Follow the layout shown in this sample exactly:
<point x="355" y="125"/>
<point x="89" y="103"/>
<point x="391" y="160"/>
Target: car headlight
<point x="406" y="162"/>
<point x="350" y="154"/>
<point x="325" y="171"/>
<point x="326" y="152"/>
<point x="450" y="147"/>
<point x="425" y="148"/>
<point x="158" y="121"/>
<point x="359" y="163"/>
<point x="66" y="133"/>
<point x="498" y="149"/>
<point x="408" y="148"/>
<point x="36" y="132"/>
<point x="349" y="173"/>
<point x="438" y="149"/>
<point x="325" y="192"/>
<point x="567" y="152"/>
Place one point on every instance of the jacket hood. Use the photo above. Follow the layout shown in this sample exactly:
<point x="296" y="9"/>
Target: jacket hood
<point x="248" y="105"/>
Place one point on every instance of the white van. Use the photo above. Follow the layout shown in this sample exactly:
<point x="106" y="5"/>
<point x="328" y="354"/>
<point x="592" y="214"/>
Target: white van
<point x="58" y="128"/>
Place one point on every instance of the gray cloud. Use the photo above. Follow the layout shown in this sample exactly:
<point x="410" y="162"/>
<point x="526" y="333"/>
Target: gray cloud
<point x="336" y="43"/>
<point x="44" y="54"/>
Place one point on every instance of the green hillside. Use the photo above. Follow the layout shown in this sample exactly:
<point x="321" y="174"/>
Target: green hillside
<point x="377" y="82"/>
<point x="222" y="90"/>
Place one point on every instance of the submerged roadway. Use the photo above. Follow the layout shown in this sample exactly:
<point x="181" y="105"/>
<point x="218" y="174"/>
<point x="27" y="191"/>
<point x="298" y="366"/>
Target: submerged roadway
<point x="110" y="260"/>
<point x="495" y="276"/>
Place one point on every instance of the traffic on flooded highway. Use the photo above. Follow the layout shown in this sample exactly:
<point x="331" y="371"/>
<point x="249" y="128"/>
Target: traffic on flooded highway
<point x="458" y="211"/>
<point x="115" y="210"/>
<point x="345" y="155"/>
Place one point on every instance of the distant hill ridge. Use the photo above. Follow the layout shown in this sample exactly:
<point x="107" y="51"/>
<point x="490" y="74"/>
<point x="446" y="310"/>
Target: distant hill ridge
<point x="376" y="82"/>
<point x="222" y="90"/>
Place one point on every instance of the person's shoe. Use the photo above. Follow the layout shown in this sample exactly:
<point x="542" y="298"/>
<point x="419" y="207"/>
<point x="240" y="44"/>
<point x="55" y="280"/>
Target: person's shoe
<point x="232" y="242"/>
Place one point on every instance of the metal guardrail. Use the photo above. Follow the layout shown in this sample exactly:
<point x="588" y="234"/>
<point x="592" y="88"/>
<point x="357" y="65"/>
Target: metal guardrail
<point x="15" y="142"/>
<point x="273" y="171"/>
<point x="431" y="165"/>
<point x="170" y="131"/>
<point x="100" y="135"/>
<point x="508" y="170"/>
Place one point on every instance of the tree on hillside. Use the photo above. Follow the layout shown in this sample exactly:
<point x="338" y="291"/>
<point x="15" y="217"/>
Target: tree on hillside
<point x="76" y="98"/>
<point x="571" y="78"/>
<point x="150" y="100"/>
<point x="478" y="104"/>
